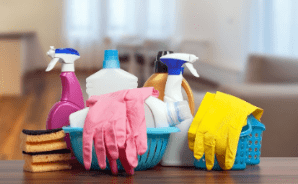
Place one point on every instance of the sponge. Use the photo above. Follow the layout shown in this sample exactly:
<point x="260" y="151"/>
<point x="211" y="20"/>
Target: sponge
<point x="44" y="146"/>
<point x="47" y="156"/>
<point x="42" y="135"/>
<point x="45" y="150"/>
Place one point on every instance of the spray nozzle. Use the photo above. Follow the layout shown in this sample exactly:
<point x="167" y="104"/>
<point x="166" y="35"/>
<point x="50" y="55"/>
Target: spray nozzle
<point x="176" y="60"/>
<point x="66" y="56"/>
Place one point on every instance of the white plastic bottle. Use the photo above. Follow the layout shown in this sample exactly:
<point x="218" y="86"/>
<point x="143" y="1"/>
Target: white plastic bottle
<point x="177" y="152"/>
<point x="107" y="80"/>
<point x="111" y="78"/>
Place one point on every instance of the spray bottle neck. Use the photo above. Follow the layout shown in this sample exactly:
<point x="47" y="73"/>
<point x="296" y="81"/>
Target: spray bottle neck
<point x="173" y="88"/>
<point x="66" y="67"/>
<point x="71" y="89"/>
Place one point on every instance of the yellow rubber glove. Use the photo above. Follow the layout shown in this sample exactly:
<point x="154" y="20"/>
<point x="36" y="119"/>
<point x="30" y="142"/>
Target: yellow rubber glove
<point x="219" y="128"/>
<point x="205" y="104"/>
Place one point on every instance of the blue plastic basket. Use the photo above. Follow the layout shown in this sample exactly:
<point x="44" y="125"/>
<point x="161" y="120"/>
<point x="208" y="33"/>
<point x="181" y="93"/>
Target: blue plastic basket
<point x="240" y="160"/>
<point x="254" y="141"/>
<point x="157" y="140"/>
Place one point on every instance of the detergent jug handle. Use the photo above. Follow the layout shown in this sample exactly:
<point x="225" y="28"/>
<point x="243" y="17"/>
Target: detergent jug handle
<point x="190" y="97"/>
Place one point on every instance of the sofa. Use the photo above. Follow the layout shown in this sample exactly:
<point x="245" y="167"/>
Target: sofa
<point x="271" y="83"/>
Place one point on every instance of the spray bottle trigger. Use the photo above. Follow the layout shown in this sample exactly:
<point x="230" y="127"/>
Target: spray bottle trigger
<point x="192" y="69"/>
<point x="52" y="64"/>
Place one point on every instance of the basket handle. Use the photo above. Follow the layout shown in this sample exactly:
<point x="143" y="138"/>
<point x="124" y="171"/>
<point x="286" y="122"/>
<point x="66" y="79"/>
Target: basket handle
<point x="248" y="131"/>
<point x="68" y="129"/>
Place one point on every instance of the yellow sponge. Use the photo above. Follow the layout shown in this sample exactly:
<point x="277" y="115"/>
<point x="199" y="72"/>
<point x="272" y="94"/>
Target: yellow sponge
<point x="47" y="156"/>
<point x="42" y="135"/>
<point x="45" y="150"/>
<point x="42" y="167"/>
<point x="44" y="146"/>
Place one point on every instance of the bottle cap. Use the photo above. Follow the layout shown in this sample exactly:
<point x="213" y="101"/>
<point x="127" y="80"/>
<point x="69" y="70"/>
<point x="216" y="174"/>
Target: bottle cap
<point x="111" y="59"/>
<point x="160" y="67"/>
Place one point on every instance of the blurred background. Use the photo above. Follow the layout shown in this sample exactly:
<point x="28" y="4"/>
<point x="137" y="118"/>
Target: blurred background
<point x="247" y="48"/>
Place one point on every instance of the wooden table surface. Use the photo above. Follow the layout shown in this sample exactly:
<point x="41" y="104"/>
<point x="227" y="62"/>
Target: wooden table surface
<point x="270" y="170"/>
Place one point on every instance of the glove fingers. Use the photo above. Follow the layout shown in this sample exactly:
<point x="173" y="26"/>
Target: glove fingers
<point x="205" y="104"/>
<point x="199" y="146"/>
<point x="111" y="146"/>
<point x="233" y="139"/>
<point x="110" y="140"/>
<point x="131" y="152"/>
<point x="127" y="167"/>
<point x="131" y="148"/>
<point x="100" y="147"/>
<point x="113" y="164"/>
<point x="209" y="146"/>
<point x="221" y="146"/>
<point x="120" y="127"/>
<point x="191" y="145"/>
<point x="136" y="115"/>
<point x="87" y="148"/>
<point x="141" y="139"/>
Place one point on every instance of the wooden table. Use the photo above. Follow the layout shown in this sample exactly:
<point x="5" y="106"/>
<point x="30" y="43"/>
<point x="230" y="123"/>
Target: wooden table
<point x="270" y="170"/>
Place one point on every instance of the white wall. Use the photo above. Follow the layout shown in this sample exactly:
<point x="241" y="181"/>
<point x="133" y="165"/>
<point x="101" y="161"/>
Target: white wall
<point x="41" y="16"/>
<point x="216" y="21"/>
<point x="222" y="24"/>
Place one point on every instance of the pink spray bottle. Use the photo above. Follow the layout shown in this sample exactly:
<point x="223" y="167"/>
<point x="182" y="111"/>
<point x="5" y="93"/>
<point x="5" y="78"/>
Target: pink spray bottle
<point x="72" y="96"/>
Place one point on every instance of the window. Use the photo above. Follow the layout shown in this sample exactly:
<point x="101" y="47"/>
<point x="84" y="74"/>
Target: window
<point x="274" y="27"/>
<point x="90" y="20"/>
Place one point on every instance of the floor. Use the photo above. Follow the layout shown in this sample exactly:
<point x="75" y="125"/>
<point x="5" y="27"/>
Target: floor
<point x="30" y="111"/>
<point x="41" y="91"/>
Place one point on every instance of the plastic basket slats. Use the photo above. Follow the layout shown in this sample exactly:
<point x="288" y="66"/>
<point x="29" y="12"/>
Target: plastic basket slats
<point x="164" y="145"/>
<point x="157" y="140"/>
<point x="255" y="141"/>
<point x="156" y="151"/>
<point x="240" y="160"/>
<point x="254" y="147"/>
<point x="151" y="152"/>
<point x="143" y="158"/>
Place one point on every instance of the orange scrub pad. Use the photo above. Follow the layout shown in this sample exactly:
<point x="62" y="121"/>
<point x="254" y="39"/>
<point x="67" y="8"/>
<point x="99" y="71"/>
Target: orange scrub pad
<point x="44" y="146"/>
<point x="45" y="150"/>
<point x="42" y="135"/>
<point x="47" y="156"/>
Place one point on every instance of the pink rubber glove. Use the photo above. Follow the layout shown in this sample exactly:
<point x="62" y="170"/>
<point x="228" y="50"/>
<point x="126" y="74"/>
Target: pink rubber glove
<point x="116" y="130"/>
<point x="136" y="131"/>
<point x="106" y="116"/>
<point x="136" y="142"/>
